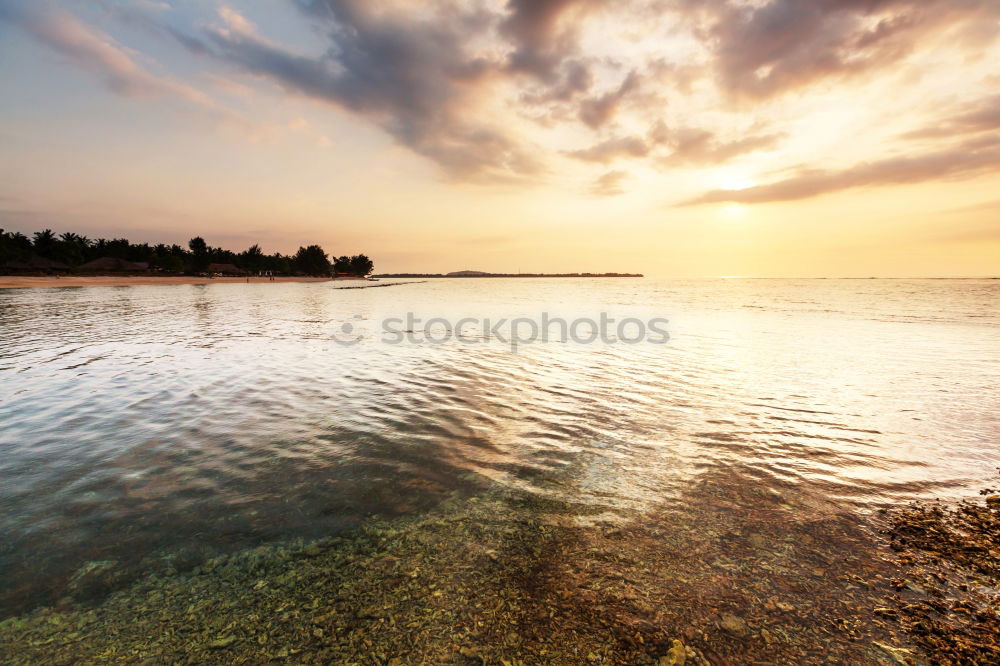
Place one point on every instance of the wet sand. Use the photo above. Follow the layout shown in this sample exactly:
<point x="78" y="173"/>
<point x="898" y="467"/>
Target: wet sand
<point x="21" y="282"/>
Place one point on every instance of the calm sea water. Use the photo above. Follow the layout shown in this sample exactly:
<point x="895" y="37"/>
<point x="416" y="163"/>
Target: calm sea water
<point x="144" y="423"/>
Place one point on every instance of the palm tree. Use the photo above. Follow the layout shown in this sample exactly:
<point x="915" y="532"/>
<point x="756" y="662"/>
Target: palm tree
<point x="200" y="250"/>
<point x="252" y="259"/>
<point x="44" y="240"/>
<point x="77" y="239"/>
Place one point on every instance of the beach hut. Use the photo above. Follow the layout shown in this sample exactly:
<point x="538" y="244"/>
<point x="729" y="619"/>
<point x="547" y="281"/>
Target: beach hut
<point x="35" y="264"/>
<point x="113" y="265"/>
<point x="15" y="267"/>
<point x="225" y="269"/>
<point x="47" y="265"/>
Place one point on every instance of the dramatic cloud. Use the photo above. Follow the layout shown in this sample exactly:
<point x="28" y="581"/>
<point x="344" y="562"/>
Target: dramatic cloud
<point x="487" y="89"/>
<point x="968" y="159"/>
<point x="764" y="48"/>
<point x="544" y="39"/>
<point x="608" y="184"/>
<point x="597" y="111"/>
<point x="413" y="73"/>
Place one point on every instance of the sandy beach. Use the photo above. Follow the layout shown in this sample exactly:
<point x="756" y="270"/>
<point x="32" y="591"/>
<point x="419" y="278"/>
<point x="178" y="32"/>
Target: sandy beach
<point x="22" y="282"/>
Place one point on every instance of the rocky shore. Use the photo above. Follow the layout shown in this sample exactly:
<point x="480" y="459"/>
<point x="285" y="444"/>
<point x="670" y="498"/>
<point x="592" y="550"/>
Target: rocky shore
<point x="731" y="575"/>
<point x="947" y="594"/>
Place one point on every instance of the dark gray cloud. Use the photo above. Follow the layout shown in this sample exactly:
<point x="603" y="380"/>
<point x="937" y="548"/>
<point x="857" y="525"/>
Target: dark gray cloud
<point x="768" y="48"/>
<point x="970" y="158"/>
<point x="576" y="79"/>
<point x="597" y="111"/>
<point x="543" y="35"/>
<point x="419" y="76"/>
<point x="426" y="72"/>
<point x="608" y="184"/>
<point x="416" y="77"/>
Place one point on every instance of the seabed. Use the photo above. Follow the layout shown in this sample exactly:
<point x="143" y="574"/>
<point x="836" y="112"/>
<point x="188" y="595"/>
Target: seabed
<point x="731" y="575"/>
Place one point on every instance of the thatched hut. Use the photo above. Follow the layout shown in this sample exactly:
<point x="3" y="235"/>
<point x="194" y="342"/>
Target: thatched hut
<point x="113" y="265"/>
<point x="35" y="264"/>
<point x="16" y="267"/>
<point x="225" y="269"/>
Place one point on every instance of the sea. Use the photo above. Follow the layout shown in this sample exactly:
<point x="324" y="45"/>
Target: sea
<point x="153" y="427"/>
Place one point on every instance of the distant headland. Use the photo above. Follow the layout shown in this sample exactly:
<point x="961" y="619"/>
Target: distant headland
<point x="481" y="274"/>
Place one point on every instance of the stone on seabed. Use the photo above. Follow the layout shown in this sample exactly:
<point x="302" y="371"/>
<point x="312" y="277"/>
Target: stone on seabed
<point x="676" y="655"/>
<point x="734" y="625"/>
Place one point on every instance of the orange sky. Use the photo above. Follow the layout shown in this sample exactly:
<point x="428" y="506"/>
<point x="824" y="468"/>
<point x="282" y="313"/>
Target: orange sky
<point x="671" y="137"/>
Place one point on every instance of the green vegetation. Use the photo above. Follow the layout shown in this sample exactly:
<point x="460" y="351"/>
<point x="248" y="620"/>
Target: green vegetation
<point x="357" y="265"/>
<point x="44" y="251"/>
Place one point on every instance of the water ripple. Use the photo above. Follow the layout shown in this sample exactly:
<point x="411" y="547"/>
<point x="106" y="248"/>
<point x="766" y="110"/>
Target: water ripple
<point x="143" y="422"/>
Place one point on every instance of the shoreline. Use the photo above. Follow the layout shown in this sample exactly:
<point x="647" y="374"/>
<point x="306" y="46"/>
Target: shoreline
<point x="35" y="282"/>
<point x="507" y="275"/>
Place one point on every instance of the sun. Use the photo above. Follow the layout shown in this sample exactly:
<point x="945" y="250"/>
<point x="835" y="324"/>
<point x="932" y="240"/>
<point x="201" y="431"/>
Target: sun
<point x="733" y="212"/>
<point x="736" y="184"/>
<point x="729" y="180"/>
<point x="732" y="179"/>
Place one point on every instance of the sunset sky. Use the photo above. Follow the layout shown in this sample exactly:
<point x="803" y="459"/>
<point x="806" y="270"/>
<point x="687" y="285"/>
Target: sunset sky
<point x="670" y="137"/>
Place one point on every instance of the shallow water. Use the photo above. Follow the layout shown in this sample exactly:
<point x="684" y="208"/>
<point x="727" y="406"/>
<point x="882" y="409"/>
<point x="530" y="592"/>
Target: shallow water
<point x="156" y="426"/>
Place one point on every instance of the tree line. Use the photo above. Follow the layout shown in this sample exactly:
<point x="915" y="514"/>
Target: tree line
<point x="75" y="250"/>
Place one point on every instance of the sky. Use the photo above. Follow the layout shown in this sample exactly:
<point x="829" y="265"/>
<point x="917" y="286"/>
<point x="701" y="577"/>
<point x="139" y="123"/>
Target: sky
<point x="679" y="138"/>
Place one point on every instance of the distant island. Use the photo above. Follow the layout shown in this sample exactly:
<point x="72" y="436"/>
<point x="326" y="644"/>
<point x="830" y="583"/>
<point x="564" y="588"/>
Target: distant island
<point x="481" y="274"/>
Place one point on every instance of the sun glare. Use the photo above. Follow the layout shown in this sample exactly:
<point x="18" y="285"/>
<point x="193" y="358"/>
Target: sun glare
<point x="734" y="179"/>
<point x="733" y="212"/>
